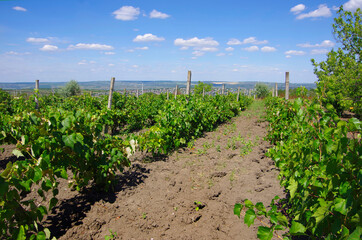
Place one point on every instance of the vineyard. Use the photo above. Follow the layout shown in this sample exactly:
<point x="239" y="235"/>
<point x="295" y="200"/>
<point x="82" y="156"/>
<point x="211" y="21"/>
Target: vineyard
<point x="80" y="140"/>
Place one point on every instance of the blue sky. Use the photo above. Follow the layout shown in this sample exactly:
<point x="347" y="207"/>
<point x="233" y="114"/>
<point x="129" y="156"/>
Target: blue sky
<point x="229" y="40"/>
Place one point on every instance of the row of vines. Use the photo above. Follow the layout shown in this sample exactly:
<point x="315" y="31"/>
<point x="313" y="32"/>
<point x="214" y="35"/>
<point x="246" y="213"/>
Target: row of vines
<point x="78" y="136"/>
<point x="319" y="157"/>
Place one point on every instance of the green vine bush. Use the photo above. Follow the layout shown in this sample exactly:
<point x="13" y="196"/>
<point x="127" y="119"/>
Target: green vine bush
<point x="319" y="157"/>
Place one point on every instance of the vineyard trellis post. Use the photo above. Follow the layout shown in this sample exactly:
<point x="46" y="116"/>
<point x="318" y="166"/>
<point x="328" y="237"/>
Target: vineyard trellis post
<point x="137" y="93"/>
<point x="238" y="95"/>
<point x="188" y="85"/>
<point x="176" y="89"/>
<point x="168" y="95"/>
<point x="276" y="89"/>
<point x="36" y="94"/>
<point x="286" y="85"/>
<point x="111" y="88"/>
<point x="272" y="92"/>
<point x="223" y="89"/>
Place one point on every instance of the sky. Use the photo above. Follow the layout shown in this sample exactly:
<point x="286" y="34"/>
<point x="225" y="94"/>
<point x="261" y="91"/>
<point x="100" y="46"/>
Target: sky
<point x="218" y="40"/>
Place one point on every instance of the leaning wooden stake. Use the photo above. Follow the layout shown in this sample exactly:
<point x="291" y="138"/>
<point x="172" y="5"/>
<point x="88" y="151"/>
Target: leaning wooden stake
<point x="286" y="85"/>
<point x="36" y="94"/>
<point x="111" y="88"/>
<point x="276" y="89"/>
<point x="238" y="96"/>
<point x="188" y="85"/>
<point x="176" y="89"/>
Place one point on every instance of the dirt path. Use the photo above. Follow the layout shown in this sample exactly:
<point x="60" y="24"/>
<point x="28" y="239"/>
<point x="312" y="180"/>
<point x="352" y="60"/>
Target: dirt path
<point x="157" y="200"/>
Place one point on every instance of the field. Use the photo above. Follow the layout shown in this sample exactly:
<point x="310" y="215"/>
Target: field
<point x="158" y="168"/>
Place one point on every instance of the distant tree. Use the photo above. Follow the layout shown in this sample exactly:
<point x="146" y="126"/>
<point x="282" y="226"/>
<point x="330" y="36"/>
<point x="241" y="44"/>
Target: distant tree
<point x="261" y="90"/>
<point x="200" y="86"/>
<point x="72" y="88"/>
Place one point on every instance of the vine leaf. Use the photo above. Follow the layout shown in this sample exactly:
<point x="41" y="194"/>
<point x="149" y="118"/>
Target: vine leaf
<point x="297" y="228"/>
<point x="17" y="153"/>
<point x="265" y="233"/>
<point x="293" y="186"/>
<point x="237" y="209"/>
<point x="249" y="217"/>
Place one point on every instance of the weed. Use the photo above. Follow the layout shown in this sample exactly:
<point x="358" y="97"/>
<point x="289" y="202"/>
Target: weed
<point x="144" y="215"/>
<point x="218" y="148"/>
<point x="112" y="235"/>
<point x="232" y="176"/>
<point x="199" y="205"/>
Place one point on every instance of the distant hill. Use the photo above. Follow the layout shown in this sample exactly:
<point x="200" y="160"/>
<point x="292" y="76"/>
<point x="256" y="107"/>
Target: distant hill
<point x="104" y="85"/>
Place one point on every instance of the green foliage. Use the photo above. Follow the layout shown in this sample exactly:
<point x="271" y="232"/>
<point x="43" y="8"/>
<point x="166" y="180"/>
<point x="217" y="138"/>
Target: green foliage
<point x="262" y="90"/>
<point x="319" y="157"/>
<point x="183" y="120"/>
<point x="5" y="99"/>
<point x="200" y="86"/>
<point x="339" y="77"/>
<point x="72" y="88"/>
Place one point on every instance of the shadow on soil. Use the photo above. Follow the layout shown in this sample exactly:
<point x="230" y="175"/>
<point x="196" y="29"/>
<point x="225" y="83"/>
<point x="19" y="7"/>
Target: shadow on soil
<point x="72" y="211"/>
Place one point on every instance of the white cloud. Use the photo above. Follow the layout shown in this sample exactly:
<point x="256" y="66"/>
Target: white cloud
<point x="21" y="9"/>
<point x="148" y="37"/>
<point x="325" y="43"/>
<point x="322" y="11"/>
<point x="109" y="53"/>
<point x="126" y="13"/>
<point x="229" y="49"/>
<point x="17" y="53"/>
<point x="207" y="49"/>
<point x="319" y="51"/>
<point x="252" y="49"/>
<point x="352" y="5"/>
<point x="83" y="62"/>
<point x="37" y="40"/>
<point x="234" y="41"/>
<point x="252" y="40"/>
<point x="268" y="49"/>
<point x="141" y="48"/>
<point x="297" y="8"/>
<point x="294" y="52"/>
<point x="90" y="46"/>
<point x="198" y="53"/>
<point x="220" y="54"/>
<point x="196" y="42"/>
<point x="135" y="66"/>
<point x="111" y="65"/>
<point x="157" y="14"/>
<point x="48" y="48"/>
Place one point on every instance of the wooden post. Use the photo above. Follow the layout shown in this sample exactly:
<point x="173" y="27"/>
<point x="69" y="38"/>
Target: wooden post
<point x="223" y="89"/>
<point x="203" y="92"/>
<point x="168" y="97"/>
<point x="111" y="88"/>
<point x="137" y="93"/>
<point x="176" y="89"/>
<point x="272" y="92"/>
<point x="36" y="94"/>
<point x="238" y="95"/>
<point x="286" y="85"/>
<point x="276" y="89"/>
<point x="188" y="85"/>
<point x="125" y="92"/>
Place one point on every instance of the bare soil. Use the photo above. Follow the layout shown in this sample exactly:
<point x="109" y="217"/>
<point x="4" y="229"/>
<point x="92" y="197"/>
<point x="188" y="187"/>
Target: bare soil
<point x="156" y="199"/>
